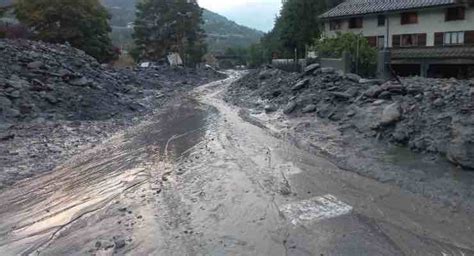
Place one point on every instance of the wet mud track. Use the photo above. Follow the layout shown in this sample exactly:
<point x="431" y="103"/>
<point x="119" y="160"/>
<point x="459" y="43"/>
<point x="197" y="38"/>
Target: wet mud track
<point x="199" y="180"/>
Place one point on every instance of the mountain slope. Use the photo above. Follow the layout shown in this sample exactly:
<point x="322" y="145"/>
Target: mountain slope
<point x="222" y="33"/>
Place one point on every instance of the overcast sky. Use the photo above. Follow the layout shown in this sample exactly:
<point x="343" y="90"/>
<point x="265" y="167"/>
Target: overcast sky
<point x="259" y="14"/>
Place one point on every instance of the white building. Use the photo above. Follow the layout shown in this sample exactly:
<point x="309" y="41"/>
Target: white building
<point x="427" y="37"/>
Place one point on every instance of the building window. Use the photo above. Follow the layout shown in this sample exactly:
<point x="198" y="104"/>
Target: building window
<point x="381" y="20"/>
<point x="356" y="22"/>
<point x="409" y="40"/>
<point x="451" y="38"/>
<point x="456" y="13"/>
<point x="409" y="18"/>
<point x="335" y="25"/>
<point x="380" y="42"/>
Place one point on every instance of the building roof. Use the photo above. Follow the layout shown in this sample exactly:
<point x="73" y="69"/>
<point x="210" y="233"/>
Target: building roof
<point x="362" y="7"/>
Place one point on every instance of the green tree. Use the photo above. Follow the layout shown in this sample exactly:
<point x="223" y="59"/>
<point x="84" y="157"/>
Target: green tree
<point x="164" y="26"/>
<point x="84" y="24"/>
<point x="296" y="27"/>
<point x="364" y="56"/>
<point x="257" y="55"/>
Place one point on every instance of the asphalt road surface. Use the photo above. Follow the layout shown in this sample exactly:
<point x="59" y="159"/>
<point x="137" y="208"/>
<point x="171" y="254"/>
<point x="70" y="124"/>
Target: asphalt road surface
<point x="197" y="179"/>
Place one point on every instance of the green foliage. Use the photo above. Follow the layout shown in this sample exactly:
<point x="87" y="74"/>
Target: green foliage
<point x="240" y="53"/>
<point x="257" y="55"/>
<point x="296" y="27"/>
<point x="84" y="24"/>
<point x="164" y="26"/>
<point x="364" y="56"/>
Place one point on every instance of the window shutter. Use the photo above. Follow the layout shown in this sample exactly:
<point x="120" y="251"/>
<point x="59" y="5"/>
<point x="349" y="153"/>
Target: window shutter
<point x="469" y="37"/>
<point x="395" y="41"/>
<point x="438" y="38"/>
<point x="372" y="41"/>
<point x="421" y="39"/>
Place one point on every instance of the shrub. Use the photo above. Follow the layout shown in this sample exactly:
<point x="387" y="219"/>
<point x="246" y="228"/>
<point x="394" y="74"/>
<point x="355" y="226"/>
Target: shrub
<point x="363" y="55"/>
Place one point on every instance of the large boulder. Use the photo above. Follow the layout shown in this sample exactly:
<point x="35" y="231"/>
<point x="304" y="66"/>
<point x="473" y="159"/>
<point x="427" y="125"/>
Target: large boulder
<point x="309" y="109"/>
<point x="353" y="77"/>
<point x="290" y="107"/>
<point x="300" y="85"/>
<point x="391" y="114"/>
<point x="461" y="149"/>
<point x="311" y="68"/>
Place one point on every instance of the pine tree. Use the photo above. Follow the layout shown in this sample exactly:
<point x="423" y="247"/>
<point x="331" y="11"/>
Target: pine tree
<point x="297" y="26"/>
<point x="164" y="26"/>
<point x="84" y="24"/>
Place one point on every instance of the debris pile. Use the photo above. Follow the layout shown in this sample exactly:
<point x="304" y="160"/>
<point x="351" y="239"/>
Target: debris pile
<point x="40" y="81"/>
<point x="427" y="115"/>
<point x="56" y="101"/>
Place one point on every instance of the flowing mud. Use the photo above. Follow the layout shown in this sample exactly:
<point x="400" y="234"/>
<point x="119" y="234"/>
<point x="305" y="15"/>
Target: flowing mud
<point x="199" y="180"/>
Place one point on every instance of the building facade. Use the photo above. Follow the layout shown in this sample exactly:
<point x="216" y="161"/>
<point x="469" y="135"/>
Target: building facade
<point x="426" y="37"/>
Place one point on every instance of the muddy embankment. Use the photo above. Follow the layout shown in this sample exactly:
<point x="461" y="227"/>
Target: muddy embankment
<point x="418" y="134"/>
<point x="56" y="101"/>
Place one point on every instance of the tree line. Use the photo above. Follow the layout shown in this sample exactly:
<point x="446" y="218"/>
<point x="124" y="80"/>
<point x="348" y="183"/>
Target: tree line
<point x="296" y="28"/>
<point x="161" y="27"/>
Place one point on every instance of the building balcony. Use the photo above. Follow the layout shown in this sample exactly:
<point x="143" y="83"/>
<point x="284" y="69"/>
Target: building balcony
<point x="460" y="54"/>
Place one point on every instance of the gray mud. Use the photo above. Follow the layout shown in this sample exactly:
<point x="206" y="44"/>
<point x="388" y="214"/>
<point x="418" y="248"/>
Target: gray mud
<point x="371" y="152"/>
<point x="197" y="179"/>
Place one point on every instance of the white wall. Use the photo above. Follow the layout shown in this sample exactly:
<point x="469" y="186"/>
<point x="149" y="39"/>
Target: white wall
<point x="429" y="22"/>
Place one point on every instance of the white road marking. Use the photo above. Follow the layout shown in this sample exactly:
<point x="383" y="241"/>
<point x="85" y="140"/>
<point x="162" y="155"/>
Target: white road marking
<point x="315" y="209"/>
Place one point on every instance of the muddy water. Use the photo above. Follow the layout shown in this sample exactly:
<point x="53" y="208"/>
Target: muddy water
<point x="198" y="180"/>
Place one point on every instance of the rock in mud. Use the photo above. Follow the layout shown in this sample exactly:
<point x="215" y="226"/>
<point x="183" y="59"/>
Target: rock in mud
<point x="311" y="68"/>
<point x="418" y="112"/>
<point x="461" y="148"/>
<point x="341" y="95"/>
<point x="300" y="85"/>
<point x="391" y="114"/>
<point x="35" y="65"/>
<point x="373" y="91"/>
<point x="120" y="243"/>
<point x="269" y="108"/>
<point x="290" y="107"/>
<point x="353" y="77"/>
<point x="328" y="70"/>
<point x="309" y="109"/>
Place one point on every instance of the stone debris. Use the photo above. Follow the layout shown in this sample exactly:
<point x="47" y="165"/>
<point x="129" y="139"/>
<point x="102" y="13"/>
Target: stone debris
<point x="427" y="115"/>
<point x="55" y="101"/>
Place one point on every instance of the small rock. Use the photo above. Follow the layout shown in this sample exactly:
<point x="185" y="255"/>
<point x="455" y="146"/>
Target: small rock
<point x="120" y="243"/>
<point x="51" y="99"/>
<point x="353" y="77"/>
<point x="269" y="108"/>
<point x="290" y="107"/>
<point x="378" y="102"/>
<point x="80" y="82"/>
<point x="6" y="136"/>
<point x="5" y="102"/>
<point x="438" y="102"/>
<point x="298" y="86"/>
<point x="14" y="94"/>
<point x="11" y="112"/>
<point x="309" y="109"/>
<point x="311" y="68"/>
<point x="373" y="91"/>
<point x="35" y="65"/>
<point x="341" y="95"/>
<point x="328" y="70"/>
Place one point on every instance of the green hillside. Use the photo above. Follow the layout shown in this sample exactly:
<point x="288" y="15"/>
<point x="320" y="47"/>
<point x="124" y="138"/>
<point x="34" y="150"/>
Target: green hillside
<point x="222" y="33"/>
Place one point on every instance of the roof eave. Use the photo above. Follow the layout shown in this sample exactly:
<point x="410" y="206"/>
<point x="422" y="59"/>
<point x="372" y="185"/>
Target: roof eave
<point x="322" y="17"/>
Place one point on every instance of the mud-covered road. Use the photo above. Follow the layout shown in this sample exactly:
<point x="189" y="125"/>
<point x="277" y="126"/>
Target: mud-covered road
<point x="199" y="180"/>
